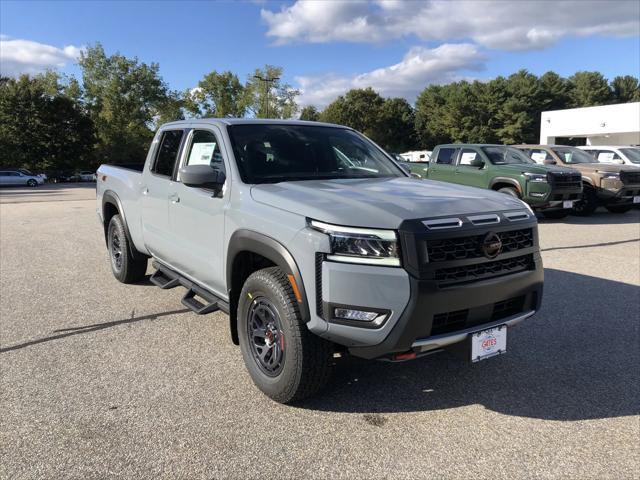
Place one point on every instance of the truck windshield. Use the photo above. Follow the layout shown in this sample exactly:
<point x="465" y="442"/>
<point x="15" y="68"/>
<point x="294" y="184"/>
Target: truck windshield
<point x="269" y="153"/>
<point x="573" y="155"/>
<point x="632" y="154"/>
<point x="506" y="155"/>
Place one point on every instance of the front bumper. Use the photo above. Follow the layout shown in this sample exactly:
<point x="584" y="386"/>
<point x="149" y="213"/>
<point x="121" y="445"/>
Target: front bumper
<point x="620" y="196"/>
<point x="551" y="199"/>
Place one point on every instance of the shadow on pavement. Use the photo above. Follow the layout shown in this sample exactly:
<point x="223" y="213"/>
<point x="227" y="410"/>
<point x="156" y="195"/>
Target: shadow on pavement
<point x="600" y="217"/>
<point x="68" y="332"/>
<point x="577" y="359"/>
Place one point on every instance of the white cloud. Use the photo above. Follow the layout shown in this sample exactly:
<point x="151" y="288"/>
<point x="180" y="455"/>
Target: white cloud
<point x="499" y="24"/>
<point x="25" y="56"/>
<point x="419" y="67"/>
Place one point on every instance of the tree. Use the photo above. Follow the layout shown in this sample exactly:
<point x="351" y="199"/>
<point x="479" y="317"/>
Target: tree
<point x="395" y="132"/>
<point x="520" y="112"/>
<point x="429" y="115"/>
<point x="625" y="89"/>
<point x="217" y="95"/>
<point x="310" y="113"/>
<point x="589" y="89"/>
<point x="125" y="98"/>
<point x="555" y="92"/>
<point x="358" y="109"/>
<point x="41" y="126"/>
<point x="270" y="97"/>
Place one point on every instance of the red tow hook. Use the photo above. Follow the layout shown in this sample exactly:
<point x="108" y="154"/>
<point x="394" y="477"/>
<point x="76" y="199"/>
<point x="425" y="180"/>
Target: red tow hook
<point x="398" y="357"/>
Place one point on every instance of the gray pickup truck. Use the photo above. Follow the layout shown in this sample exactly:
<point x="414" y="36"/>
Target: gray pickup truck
<point x="315" y="242"/>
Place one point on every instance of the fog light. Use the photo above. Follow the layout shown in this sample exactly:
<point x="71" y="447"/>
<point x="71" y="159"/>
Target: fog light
<point x="348" y="314"/>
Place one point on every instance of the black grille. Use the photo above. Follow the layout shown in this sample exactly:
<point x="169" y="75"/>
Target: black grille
<point x="480" y="271"/>
<point x="630" y="178"/>
<point x="449" y="322"/>
<point x="470" y="247"/>
<point x="564" y="181"/>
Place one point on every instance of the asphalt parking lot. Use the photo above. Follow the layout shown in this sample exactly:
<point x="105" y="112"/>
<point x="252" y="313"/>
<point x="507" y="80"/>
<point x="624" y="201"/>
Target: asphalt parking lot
<point x="103" y="380"/>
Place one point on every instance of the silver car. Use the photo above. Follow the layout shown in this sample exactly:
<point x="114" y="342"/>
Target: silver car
<point x="17" y="178"/>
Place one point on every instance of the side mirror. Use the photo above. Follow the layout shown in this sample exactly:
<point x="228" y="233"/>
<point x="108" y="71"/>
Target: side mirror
<point x="202" y="176"/>
<point x="550" y="161"/>
<point x="477" y="162"/>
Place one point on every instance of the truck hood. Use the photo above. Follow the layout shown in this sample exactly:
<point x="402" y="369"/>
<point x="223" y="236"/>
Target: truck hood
<point x="380" y="202"/>
<point x="532" y="168"/>
<point x="603" y="167"/>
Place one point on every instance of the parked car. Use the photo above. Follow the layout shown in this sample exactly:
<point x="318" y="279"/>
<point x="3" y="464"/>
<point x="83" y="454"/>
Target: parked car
<point x="17" y="177"/>
<point x="314" y="240"/>
<point x="617" y="155"/>
<point x="616" y="187"/>
<point x="85" y="176"/>
<point x="548" y="189"/>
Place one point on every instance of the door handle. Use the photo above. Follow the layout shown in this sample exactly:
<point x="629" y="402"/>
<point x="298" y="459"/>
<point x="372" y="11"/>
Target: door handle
<point x="174" y="198"/>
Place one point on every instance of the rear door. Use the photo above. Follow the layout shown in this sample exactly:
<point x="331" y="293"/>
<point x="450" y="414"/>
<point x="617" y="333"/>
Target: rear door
<point x="443" y="166"/>
<point x="471" y="175"/>
<point x="157" y="180"/>
<point x="196" y="215"/>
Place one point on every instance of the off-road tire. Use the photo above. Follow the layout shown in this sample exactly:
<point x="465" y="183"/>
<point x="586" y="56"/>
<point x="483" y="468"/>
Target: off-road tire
<point x="587" y="204"/>
<point x="307" y="357"/>
<point x="125" y="268"/>
<point x="618" y="208"/>
<point x="556" y="214"/>
<point x="510" y="191"/>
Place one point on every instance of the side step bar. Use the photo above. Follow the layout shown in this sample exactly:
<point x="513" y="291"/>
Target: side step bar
<point x="197" y="298"/>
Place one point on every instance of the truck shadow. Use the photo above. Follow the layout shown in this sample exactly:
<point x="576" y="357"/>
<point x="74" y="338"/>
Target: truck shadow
<point x="577" y="359"/>
<point x="599" y="217"/>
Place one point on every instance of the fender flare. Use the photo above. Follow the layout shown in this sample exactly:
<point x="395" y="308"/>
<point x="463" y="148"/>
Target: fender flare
<point x="589" y="181"/>
<point x="109" y="196"/>
<point x="271" y="249"/>
<point x="508" y="180"/>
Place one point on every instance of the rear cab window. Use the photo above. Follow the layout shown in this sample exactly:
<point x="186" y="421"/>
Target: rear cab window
<point x="446" y="156"/>
<point x="167" y="153"/>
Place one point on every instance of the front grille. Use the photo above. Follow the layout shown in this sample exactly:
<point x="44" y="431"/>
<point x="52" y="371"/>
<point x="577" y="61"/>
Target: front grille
<point x="449" y="322"/>
<point x="630" y="178"/>
<point x="461" y="248"/>
<point x="564" y="181"/>
<point x="481" y="271"/>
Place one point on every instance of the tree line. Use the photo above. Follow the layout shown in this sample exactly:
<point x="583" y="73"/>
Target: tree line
<point x="50" y="122"/>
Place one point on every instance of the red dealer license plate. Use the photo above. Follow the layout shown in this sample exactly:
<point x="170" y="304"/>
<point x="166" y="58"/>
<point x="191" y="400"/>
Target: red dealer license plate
<point x="488" y="343"/>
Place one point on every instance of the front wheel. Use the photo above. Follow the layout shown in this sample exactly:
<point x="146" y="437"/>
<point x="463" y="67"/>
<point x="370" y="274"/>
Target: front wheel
<point x="32" y="183"/>
<point x="285" y="360"/>
<point x="510" y="191"/>
<point x="588" y="204"/>
<point x="618" y="208"/>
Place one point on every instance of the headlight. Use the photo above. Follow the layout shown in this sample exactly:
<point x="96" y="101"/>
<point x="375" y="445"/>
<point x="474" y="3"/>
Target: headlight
<point x="611" y="176"/>
<point x="536" y="177"/>
<point x="360" y="245"/>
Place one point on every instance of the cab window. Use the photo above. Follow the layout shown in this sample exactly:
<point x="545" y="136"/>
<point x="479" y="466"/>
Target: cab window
<point x="446" y="156"/>
<point x="539" y="156"/>
<point x="468" y="156"/>
<point x="167" y="153"/>
<point x="205" y="150"/>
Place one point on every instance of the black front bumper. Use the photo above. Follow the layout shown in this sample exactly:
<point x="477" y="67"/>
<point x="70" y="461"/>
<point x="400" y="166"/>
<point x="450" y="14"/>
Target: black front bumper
<point x="443" y="304"/>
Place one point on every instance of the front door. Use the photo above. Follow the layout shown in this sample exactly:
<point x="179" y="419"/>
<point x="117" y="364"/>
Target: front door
<point x="469" y="174"/>
<point x="156" y="181"/>
<point x="196" y="215"/>
<point x="443" y="166"/>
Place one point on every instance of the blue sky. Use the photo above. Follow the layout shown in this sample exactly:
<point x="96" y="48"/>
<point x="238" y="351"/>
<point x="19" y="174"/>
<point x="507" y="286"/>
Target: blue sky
<point x="327" y="47"/>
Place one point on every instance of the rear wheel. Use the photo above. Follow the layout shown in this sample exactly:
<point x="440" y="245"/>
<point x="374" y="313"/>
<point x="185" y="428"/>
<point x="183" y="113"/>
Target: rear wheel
<point x="618" y="208"/>
<point x="510" y="191"/>
<point x="587" y="204"/>
<point x="556" y="214"/>
<point x="124" y="266"/>
<point x="32" y="183"/>
<point x="285" y="360"/>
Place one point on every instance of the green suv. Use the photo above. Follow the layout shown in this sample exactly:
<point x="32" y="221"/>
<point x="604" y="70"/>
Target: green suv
<point x="549" y="189"/>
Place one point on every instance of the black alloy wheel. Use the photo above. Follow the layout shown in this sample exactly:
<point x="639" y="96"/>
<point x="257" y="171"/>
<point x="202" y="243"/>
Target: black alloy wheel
<point x="266" y="338"/>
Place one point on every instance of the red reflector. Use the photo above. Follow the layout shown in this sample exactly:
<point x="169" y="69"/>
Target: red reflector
<point x="404" y="356"/>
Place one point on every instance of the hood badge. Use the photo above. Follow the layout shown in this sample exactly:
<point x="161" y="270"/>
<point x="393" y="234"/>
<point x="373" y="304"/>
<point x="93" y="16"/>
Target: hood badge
<point x="491" y="245"/>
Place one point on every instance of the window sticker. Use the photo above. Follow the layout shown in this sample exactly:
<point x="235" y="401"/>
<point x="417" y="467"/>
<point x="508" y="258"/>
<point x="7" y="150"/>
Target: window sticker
<point x="538" y="157"/>
<point x="201" y="153"/>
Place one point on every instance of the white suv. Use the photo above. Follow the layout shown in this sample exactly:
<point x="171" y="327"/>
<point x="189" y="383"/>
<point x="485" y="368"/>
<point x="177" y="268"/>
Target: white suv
<point x="622" y="155"/>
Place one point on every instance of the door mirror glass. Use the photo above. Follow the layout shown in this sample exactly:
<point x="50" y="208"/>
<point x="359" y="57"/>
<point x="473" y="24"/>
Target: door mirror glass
<point x="202" y="176"/>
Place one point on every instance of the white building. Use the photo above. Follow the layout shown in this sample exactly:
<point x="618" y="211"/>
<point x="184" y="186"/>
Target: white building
<point x="605" y="125"/>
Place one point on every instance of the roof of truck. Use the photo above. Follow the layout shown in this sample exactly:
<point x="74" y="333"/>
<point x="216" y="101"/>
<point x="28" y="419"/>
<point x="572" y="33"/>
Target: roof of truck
<point x="251" y="121"/>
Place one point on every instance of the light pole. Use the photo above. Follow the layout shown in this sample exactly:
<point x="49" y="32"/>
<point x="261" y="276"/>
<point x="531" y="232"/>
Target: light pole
<point x="267" y="81"/>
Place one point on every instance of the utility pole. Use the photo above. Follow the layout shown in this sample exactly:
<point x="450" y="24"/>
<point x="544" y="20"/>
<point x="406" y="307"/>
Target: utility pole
<point x="267" y="83"/>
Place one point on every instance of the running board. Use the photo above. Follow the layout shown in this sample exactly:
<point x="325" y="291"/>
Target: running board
<point x="197" y="299"/>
